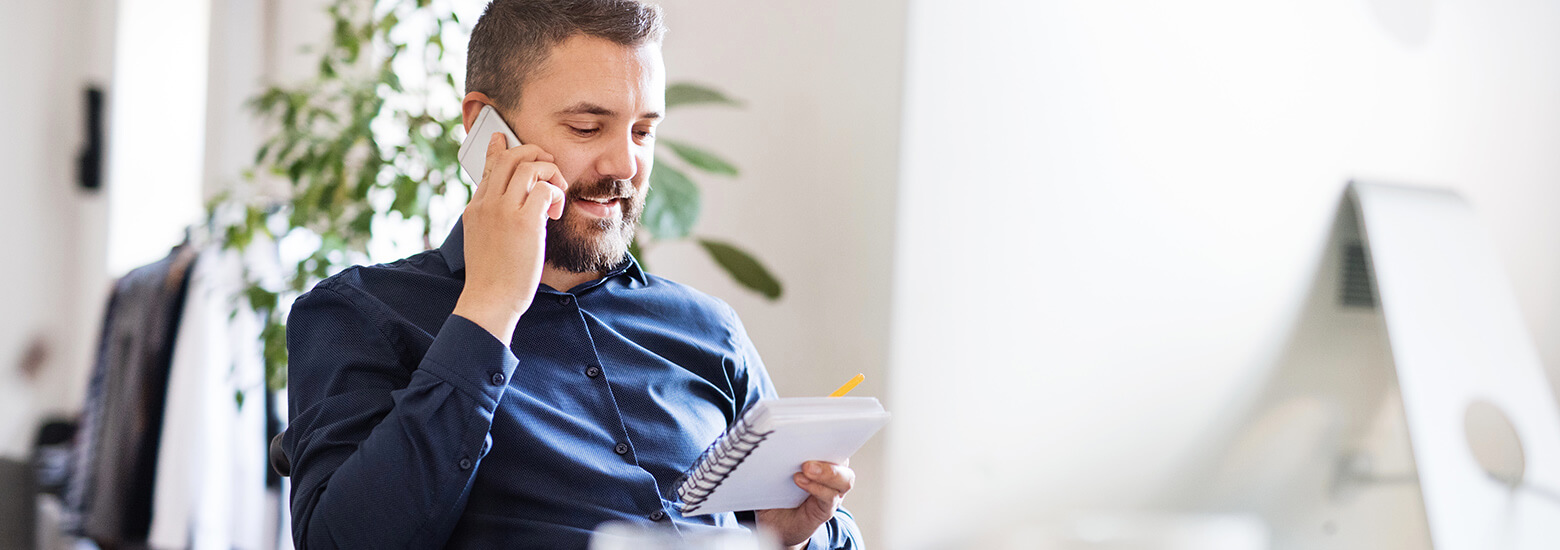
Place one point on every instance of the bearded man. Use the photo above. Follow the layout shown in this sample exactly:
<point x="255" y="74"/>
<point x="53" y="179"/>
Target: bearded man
<point x="527" y="380"/>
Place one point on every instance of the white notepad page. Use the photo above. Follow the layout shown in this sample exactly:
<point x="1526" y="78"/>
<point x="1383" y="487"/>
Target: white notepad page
<point x="829" y="429"/>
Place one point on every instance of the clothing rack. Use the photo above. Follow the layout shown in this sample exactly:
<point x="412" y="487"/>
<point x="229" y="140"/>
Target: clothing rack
<point x="149" y="465"/>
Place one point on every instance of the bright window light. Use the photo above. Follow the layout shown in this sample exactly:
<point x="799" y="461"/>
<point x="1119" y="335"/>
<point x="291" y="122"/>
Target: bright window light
<point x="156" y="129"/>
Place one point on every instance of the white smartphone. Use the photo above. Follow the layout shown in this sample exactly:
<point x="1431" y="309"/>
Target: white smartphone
<point x="473" y="151"/>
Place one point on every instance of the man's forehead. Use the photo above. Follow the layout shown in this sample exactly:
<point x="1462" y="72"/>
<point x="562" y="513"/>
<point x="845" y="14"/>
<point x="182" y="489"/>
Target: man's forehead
<point x="592" y="76"/>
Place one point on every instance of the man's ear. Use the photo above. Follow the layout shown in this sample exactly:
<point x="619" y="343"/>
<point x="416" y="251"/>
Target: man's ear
<point x="471" y="105"/>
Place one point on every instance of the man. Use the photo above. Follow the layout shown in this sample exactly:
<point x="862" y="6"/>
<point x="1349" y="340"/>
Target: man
<point x="527" y="381"/>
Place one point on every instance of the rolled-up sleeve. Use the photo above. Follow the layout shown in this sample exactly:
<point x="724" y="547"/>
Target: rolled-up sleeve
<point x="383" y="452"/>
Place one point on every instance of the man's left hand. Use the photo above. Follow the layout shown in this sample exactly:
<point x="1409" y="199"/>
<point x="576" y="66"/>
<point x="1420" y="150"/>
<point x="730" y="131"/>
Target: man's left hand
<point x="826" y="485"/>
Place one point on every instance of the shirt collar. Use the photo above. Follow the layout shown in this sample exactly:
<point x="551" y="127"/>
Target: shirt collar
<point x="454" y="248"/>
<point x="454" y="252"/>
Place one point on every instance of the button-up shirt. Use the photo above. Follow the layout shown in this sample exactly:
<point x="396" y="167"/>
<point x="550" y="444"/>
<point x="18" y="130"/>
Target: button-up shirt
<point x="412" y="427"/>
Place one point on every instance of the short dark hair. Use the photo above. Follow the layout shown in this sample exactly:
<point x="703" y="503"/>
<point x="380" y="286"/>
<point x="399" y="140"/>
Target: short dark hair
<point x="514" y="37"/>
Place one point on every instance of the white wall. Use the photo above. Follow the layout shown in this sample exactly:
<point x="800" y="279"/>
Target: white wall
<point x="1111" y="214"/>
<point x="818" y="146"/>
<point x="58" y="233"/>
<point x="237" y="69"/>
<point x="53" y="232"/>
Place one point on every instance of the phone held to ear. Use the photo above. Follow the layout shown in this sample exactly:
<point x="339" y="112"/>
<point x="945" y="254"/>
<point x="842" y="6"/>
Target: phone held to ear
<point x="473" y="151"/>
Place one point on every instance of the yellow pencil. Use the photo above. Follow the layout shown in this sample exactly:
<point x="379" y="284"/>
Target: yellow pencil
<point x="849" y="385"/>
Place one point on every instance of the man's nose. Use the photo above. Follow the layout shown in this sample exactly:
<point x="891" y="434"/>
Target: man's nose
<point x="618" y="161"/>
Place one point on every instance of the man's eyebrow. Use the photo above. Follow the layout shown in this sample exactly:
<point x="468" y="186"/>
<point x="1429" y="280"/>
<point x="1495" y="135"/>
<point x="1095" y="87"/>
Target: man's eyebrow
<point x="588" y="108"/>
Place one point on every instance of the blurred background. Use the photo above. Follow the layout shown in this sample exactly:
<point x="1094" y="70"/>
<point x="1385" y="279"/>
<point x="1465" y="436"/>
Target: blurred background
<point x="1083" y="250"/>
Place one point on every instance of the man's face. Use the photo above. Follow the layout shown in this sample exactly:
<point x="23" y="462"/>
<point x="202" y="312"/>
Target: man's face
<point x="594" y="106"/>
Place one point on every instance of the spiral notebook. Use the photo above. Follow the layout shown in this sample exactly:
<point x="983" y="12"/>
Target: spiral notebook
<point x="750" y="466"/>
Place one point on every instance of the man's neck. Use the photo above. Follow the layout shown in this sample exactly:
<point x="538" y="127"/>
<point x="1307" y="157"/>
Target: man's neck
<point x="562" y="280"/>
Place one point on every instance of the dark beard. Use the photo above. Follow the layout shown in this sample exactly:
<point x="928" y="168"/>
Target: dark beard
<point x="578" y="245"/>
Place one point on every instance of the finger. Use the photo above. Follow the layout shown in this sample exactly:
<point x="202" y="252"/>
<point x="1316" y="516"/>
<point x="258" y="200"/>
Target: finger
<point x="826" y="498"/>
<point x="500" y="167"/>
<point x="505" y="162"/>
<point x="528" y="153"/>
<point x="835" y="476"/>
<point x="520" y="182"/>
<point x="541" y="201"/>
<point x="556" y="203"/>
<point x="495" y="146"/>
<point x="527" y="174"/>
<point x="557" y="177"/>
<point x="535" y="152"/>
<point x="545" y="198"/>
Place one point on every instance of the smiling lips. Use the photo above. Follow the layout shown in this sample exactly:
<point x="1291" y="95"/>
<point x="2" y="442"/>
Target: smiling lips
<point x="599" y="208"/>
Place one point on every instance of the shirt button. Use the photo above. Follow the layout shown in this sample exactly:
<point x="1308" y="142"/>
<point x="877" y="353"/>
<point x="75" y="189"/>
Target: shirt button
<point x="593" y="371"/>
<point x="565" y="299"/>
<point x="465" y="463"/>
<point x="498" y="379"/>
<point x="657" y="515"/>
<point x="621" y="448"/>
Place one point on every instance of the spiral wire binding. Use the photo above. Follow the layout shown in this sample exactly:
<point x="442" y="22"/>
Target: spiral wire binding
<point x="716" y="462"/>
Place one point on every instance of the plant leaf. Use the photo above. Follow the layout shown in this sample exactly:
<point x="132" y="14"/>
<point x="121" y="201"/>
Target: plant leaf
<point x="363" y="223"/>
<point x="260" y="155"/>
<point x="389" y="78"/>
<point x="699" y="158"/>
<point x="672" y="206"/>
<point x="744" y="268"/>
<point x="273" y="335"/>
<point x="260" y="299"/>
<point x="688" y="93"/>
<point x="406" y="199"/>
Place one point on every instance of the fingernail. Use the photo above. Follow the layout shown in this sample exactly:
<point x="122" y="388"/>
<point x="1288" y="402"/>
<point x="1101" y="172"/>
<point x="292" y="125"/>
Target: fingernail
<point x="813" y="468"/>
<point x="495" y="137"/>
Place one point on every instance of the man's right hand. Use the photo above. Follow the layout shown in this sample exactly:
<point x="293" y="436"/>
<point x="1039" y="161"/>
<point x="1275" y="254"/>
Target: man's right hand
<point x="506" y="235"/>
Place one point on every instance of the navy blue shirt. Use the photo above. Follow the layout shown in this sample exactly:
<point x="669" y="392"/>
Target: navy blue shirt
<point x="415" y="428"/>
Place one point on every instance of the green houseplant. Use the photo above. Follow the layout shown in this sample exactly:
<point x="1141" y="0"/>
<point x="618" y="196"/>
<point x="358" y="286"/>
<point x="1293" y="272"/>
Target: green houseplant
<point x="361" y="144"/>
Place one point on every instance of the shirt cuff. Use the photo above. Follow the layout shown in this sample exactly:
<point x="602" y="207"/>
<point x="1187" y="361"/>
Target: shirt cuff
<point x="470" y="358"/>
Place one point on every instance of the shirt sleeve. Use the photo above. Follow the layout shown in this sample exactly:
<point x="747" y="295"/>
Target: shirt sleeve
<point x="840" y="532"/>
<point x="384" y="451"/>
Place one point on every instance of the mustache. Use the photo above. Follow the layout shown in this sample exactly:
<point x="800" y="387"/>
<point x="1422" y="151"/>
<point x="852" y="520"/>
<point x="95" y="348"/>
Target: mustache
<point x="604" y="187"/>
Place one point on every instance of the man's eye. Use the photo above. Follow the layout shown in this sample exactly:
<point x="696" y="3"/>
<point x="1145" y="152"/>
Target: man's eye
<point x="584" y="131"/>
<point x="644" y="134"/>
